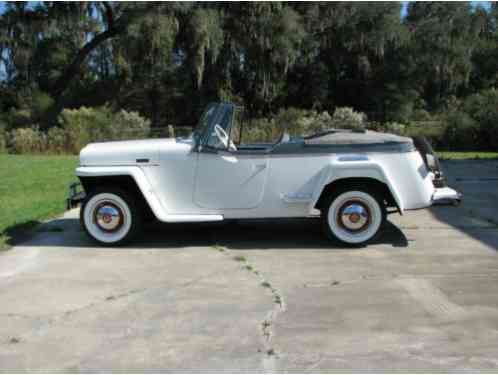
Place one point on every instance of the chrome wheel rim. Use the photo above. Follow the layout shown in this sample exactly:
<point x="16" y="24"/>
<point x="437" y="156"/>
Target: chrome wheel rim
<point x="354" y="216"/>
<point x="108" y="216"/>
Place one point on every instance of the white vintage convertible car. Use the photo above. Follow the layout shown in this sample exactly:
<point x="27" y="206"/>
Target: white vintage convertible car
<point x="351" y="179"/>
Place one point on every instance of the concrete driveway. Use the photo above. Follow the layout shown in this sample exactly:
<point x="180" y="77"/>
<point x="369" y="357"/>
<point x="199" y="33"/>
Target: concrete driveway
<point x="262" y="296"/>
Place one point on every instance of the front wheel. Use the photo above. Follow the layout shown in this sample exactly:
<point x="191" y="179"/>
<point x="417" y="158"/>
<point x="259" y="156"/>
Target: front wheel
<point x="353" y="216"/>
<point x="110" y="216"/>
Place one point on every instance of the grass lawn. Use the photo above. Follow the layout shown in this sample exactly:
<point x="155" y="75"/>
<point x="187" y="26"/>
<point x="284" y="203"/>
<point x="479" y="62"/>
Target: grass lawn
<point x="447" y="155"/>
<point x="32" y="188"/>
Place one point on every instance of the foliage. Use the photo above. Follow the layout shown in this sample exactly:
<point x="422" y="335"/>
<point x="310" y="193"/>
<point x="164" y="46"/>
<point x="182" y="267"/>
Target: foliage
<point x="3" y="139"/>
<point x="33" y="188"/>
<point x="84" y="125"/>
<point x="474" y="124"/>
<point x="78" y="127"/>
<point x="298" y="122"/>
<point x="446" y="155"/>
<point x="166" y="61"/>
<point x="28" y="140"/>
<point x="347" y="118"/>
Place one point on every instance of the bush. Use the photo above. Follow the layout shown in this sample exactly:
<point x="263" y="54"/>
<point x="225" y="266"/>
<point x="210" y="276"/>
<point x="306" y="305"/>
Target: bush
<point x="461" y="131"/>
<point x="298" y="122"/>
<point x="3" y="139"/>
<point x="394" y="127"/>
<point x="57" y="141"/>
<point x="28" y="140"/>
<point x="347" y="118"/>
<point x="86" y="125"/>
<point x="473" y="124"/>
<point x="128" y="124"/>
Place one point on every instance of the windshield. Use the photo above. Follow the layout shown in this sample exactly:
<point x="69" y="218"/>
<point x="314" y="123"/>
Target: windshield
<point x="204" y="121"/>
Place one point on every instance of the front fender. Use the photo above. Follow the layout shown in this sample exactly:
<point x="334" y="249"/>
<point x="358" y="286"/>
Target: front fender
<point x="145" y="187"/>
<point x="138" y="176"/>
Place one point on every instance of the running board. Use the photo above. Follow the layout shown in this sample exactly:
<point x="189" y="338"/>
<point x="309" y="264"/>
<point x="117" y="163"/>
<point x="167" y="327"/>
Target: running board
<point x="191" y="218"/>
<point x="296" y="198"/>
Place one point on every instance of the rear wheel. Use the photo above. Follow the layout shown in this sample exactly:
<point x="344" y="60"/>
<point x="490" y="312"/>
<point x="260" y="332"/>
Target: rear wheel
<point x="110" y="216"/>
<point x="353" y="215"/>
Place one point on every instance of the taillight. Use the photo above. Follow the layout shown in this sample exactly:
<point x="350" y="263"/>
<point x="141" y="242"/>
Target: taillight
<point x="431" y="161"/>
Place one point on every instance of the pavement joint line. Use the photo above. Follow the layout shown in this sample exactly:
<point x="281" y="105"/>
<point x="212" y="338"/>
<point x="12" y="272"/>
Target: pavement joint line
<point x="279" y="306"/>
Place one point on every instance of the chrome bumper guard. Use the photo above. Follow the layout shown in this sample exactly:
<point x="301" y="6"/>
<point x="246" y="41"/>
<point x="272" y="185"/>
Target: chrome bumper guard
<point x="446" y="196"/>
<point x="75" y="196"/>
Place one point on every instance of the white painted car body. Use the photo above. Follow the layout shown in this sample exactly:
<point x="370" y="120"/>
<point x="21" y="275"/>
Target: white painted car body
<point x="181" y="183"/>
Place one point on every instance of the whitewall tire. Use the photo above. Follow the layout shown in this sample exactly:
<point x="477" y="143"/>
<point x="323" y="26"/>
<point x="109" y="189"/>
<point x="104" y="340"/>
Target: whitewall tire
<point x="353" y="216"/>
<point x="110" y="217"/>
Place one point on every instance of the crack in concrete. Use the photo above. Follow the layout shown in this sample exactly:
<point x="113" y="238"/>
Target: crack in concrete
<point x="278" y="306"/>
<point x="52" y="319"/>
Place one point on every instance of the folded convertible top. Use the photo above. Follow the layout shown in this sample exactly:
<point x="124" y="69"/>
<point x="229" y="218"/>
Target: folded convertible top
<point x="352" y="137"/>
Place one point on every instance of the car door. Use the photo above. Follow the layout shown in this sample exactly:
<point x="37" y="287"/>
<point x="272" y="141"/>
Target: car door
<point x="227" y="178"/>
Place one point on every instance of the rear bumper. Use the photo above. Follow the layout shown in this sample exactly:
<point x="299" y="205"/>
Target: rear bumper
<point x="75" y="196"/>
<point x="446" y="195"/>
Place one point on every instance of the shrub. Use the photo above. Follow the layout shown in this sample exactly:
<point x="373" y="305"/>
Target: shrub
<point x="347" y="118"/>
<point x="57" y="141"/>
<point x="259" y="130"/>
<point x="483" y="108"/>
<point x="85" y="125"/>
<point x="28" y="140"/>
<point x="126" y="125"/>
<point x="462" y="131"/>
<point x="298" y="122"/>
<point x="18" y="118"/>
<point x="3" y="139"/>
<point x="473" y="124"/>
<point x="394" y="127"/>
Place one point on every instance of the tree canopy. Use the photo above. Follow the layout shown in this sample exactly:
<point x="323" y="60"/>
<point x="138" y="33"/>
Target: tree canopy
<point x="167" y="60"/>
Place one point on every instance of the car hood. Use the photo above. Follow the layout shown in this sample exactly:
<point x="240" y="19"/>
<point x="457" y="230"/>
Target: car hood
<point x="125" y="152"/>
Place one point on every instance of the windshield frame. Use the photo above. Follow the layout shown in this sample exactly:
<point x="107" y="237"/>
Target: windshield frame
<point x="205" y="122"/>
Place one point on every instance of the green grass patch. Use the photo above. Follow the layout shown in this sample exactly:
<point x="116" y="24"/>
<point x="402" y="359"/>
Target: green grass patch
<point x="239" y="258"/>
<point x="32" y="188"/>
<point x="449" y="155"/>
<point x="266" y="284"/>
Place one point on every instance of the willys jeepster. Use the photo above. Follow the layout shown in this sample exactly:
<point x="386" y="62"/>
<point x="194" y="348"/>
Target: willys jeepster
<point x="351" y="179"/>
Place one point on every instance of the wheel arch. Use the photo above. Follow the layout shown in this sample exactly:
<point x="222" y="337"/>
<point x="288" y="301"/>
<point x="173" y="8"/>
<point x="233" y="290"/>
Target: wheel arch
<point x="131" y="179"/>
<point x="371" y="182"/>
<point x="125" y="182"/>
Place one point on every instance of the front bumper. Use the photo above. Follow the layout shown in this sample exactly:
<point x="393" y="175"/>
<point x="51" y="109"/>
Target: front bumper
<point x="446" y="195"/>
<point x="75" y="196"/>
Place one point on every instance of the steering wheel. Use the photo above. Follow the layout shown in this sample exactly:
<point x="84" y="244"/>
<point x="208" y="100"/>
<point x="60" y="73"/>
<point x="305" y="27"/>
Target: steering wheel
<point x="223" y="137"/>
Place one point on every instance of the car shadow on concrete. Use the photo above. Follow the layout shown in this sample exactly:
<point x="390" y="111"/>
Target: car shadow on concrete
<point x="236" y="235"/>
<point x="477" y="215"/>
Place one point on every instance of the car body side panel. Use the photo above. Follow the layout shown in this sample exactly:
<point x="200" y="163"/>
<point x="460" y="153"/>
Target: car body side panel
<point x="174" y="178"/>
<point x="292" y="187"/>
<point x="405" y="175"/>
<point x="150" y="195"/>
<point x="290" y="183"/>
<point x="225" y="180"/>
<point x="409" y="176"/>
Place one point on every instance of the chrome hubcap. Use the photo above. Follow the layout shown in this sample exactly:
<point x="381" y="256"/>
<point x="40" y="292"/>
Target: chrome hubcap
<point x="108" y="217"/>
<point x="354" y="216"/>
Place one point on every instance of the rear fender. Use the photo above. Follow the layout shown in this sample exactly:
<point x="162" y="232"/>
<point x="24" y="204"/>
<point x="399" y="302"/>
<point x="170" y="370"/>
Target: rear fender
<point x="360" y="166"/>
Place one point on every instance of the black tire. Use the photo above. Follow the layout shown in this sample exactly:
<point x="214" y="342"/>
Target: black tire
<point x="327" y="205"/>
<point x="135" y="215"/>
